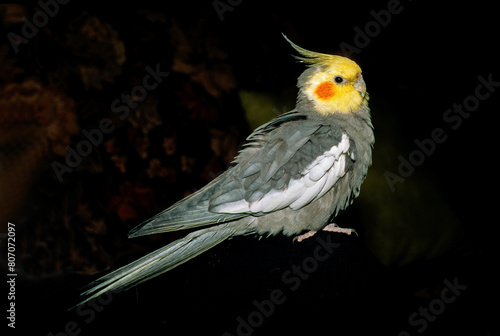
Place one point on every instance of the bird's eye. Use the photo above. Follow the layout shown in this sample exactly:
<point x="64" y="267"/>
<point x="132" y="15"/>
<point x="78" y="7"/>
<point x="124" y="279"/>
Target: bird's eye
<point x="338" y="79"/>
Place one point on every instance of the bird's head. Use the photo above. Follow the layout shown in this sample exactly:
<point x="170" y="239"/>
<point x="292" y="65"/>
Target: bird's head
<point x="332" y="84"/>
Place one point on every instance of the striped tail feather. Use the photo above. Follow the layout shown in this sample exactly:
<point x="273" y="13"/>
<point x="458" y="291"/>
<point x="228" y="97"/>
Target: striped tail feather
<point x="158" y="262"/>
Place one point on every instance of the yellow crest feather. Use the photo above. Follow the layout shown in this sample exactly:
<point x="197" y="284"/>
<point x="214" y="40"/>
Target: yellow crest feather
<point x="311" y="57"/>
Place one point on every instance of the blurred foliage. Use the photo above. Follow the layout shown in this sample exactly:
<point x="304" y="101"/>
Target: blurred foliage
<point x="62" y="82"/>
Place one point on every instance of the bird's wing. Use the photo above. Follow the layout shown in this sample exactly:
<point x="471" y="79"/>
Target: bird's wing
<point x="287" y="164"/>
<point x="193" y="211"/>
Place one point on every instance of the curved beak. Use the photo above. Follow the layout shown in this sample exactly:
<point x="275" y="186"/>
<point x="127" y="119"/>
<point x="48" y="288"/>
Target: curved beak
<point x="360" y="86"/>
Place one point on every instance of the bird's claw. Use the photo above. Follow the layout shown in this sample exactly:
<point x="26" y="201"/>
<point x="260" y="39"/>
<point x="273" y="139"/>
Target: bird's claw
<point x="329" y="228"/>
<point x="335" y="228"/>
<point x="304" y="236"/>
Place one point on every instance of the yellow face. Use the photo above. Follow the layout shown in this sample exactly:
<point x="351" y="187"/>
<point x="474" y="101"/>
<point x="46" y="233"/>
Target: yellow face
<point x="337" y="88"/>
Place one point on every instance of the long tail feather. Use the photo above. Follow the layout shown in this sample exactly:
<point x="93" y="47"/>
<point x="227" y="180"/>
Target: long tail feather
<point x="158" y="262"/>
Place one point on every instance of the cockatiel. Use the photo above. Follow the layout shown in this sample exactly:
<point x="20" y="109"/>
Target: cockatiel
<point x="294" y="174"/>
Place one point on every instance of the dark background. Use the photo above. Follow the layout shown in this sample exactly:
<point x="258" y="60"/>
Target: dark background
<point x="225" y="78"/>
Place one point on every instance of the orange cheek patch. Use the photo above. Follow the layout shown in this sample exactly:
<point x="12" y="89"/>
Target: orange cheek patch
<point x="325" y="90"/>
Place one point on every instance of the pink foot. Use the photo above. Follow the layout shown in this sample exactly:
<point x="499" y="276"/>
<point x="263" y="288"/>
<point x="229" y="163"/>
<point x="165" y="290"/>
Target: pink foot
<point x="330" y="228"/>
<point x="335" y="228"/>
<point x="304" y="236"/>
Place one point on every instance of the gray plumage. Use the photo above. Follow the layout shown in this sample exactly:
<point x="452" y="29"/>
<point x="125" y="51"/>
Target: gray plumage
<point x="295" y="173"/>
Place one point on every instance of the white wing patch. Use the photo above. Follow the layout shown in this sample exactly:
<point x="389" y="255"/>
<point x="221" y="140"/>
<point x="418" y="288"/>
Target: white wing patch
<point x="316" y="180"/>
